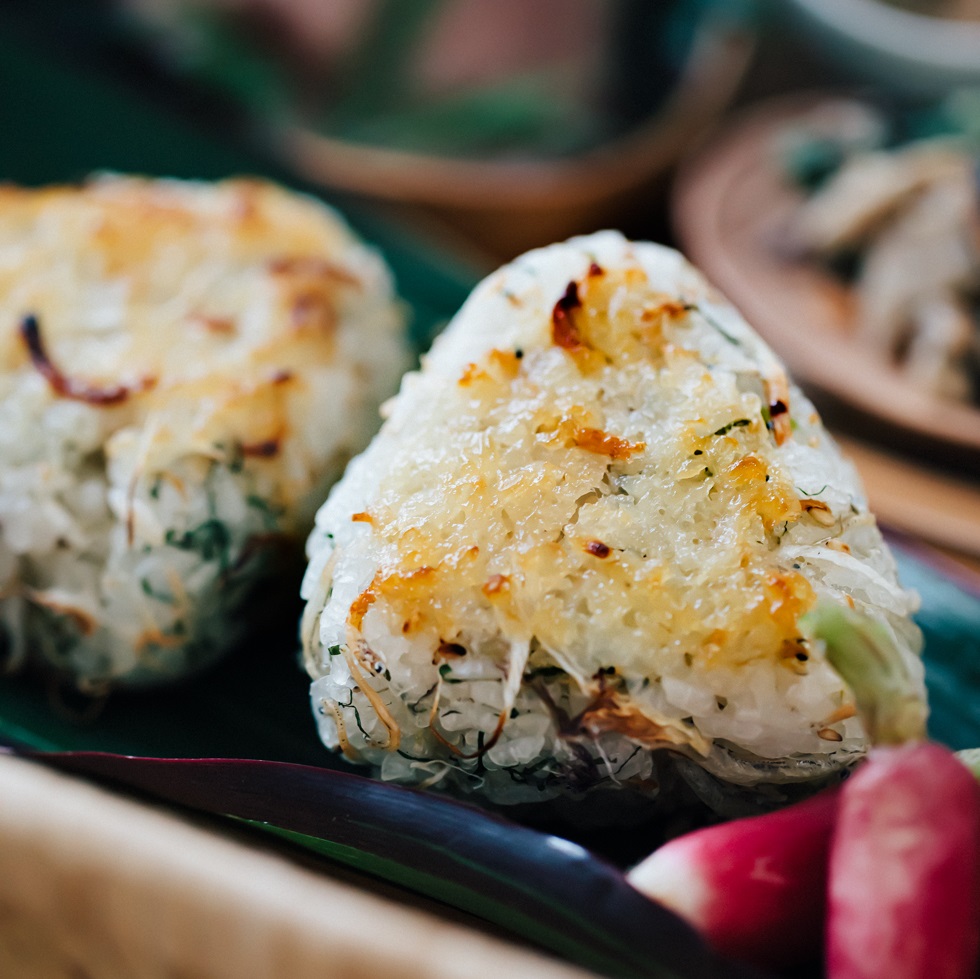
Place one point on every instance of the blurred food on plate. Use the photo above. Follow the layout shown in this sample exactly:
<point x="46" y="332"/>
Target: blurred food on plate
<point x="520" y="123"/>
<point x="893" y="209"/>
<point x="848" y="236"/>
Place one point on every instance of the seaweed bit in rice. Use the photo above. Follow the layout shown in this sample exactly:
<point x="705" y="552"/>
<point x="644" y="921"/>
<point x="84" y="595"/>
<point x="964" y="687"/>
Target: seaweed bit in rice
<point x="185" y="369"/>
<point x="577" y="555"/>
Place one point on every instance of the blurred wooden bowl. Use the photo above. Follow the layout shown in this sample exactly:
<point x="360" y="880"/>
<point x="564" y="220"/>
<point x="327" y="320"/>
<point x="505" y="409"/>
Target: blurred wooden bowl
<point x="731" y="205"/>
<point x="510" y="205"/>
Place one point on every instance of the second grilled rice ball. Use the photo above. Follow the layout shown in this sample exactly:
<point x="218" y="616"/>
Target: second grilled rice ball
<point x="184" y="369"/>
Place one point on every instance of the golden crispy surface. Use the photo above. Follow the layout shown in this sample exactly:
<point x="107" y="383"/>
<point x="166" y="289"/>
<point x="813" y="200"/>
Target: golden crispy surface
<point x="567" y="495"/>
<point x="202" y="306"/>
<point x="590" y="529"/>
<point x="185" y="368"/>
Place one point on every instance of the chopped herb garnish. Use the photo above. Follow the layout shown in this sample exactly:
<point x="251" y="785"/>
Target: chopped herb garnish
<point x="714" y="324"/>
<point x="269" y="511"/>
<point x="444" y="670"/>
<point x="480" y="739"/>
<point x="738" y="423"/>
<point x="628" y="759"/>
<point x="210" y="539"/>
<point x="357" y="721"/>
<point x="237" y="461"/>
<point x="151" y="592"/>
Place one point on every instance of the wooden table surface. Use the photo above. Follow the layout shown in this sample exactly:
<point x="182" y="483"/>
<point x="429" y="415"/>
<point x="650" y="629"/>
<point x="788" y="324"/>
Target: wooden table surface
<point x="99" y="886"/>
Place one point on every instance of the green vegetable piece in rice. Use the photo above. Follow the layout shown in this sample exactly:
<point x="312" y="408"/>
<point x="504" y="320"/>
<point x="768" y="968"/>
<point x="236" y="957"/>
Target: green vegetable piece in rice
<point x="578" y="554"/>
<point x="185" y="369"/>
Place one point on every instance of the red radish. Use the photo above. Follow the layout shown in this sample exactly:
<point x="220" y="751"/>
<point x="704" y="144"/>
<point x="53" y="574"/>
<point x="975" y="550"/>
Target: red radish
<point x="755" y="888"/>
<point x="904" y="899"/>
<point x="904" y="875"/>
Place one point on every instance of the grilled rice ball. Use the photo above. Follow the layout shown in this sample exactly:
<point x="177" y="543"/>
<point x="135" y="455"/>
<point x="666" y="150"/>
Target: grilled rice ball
<point x="184" y="369"/>
<point x="578" y="552"/>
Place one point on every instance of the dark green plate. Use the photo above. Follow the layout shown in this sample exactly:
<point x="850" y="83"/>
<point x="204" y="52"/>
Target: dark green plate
<point x="63" y="116"/>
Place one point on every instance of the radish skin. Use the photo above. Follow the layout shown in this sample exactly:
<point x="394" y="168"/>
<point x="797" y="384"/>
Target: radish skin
<point x="754" y="888"/>
<point x="904" y="881"/>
